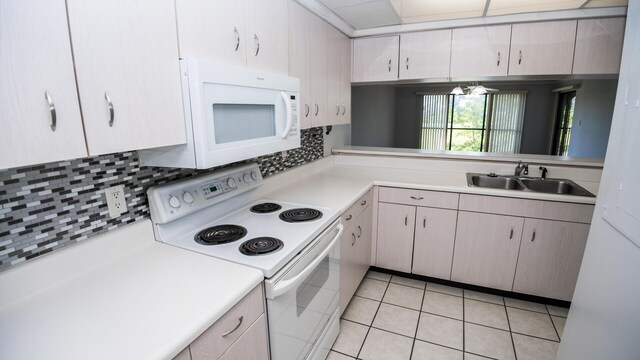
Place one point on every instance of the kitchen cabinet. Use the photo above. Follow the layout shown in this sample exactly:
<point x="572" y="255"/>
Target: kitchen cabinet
<point x="299" y="58"/>
<point x="345" y="80"/>
<point x="252" y="345"/>
<point x="480" y="51"/>
<point x="318" y="47"/>
<point x="550" y="257"/>
<point x="434" y="240"/>
<point x="127" y="73"/>
<point x="486" y="249"/>
<point x="39" y="108"/>
<point x="394" y="248"/>
<point x="375" y="59"/>
<point x="184" y="355"/>
<point x="251" y="33"/>
<point x="333" y="76"/>
<point x="598" y="46"/>
<point x="425" y="55"/>
<point x="544" y="48"/>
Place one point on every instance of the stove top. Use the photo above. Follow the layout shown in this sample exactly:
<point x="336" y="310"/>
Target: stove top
<point x="265" y="208"/>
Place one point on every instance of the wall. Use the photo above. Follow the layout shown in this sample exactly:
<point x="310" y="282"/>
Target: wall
<point x="594" y="108"/>
<point x="374" y="108"/>
<point x="339" y="136"/>
<point x="50" y="206"/>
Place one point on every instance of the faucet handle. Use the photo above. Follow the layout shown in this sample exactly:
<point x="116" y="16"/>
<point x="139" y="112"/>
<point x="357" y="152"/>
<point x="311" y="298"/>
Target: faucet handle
<point x="526" y="169"/>
<point x="544" y="172"/>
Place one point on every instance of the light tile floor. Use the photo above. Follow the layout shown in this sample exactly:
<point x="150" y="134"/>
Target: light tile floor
<point x="393" y="318"/>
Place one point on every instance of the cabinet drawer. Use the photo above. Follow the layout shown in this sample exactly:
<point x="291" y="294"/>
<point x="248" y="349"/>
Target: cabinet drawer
<point x="349" y="216"/>
<point x="213" y="342"/>
<point x="539" y="209"/>
<point x="435" y="199"/>
<point x="252" y="345"/>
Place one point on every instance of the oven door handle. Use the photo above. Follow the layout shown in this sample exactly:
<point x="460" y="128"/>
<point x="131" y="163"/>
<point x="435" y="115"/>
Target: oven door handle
<point x="289" y="111"/>
<point x="286" y="285"/>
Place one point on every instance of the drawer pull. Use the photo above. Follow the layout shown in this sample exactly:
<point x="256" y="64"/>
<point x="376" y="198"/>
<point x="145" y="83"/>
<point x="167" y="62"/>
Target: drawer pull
<point x="353" y="236"/>
<point x="363" y="203"/>
<point x="417" y="197"/>
<point x="349" y="217"/>
<point x="424" y="223"/>
<point x="235" y="328"/>
<point x="406" y="218"/>
<point x="359" y="231"/>
<point x="533" y="237"/>
<point x="52" y="110"/>
<point x="511" y="234"/>
<point x="237" y="34"/>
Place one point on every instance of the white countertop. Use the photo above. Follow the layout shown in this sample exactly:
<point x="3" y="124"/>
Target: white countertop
<point x="120" y="295"/>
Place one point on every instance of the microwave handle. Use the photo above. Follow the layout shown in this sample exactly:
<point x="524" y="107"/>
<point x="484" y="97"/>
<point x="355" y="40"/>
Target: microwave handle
<point x="287" y="105"/>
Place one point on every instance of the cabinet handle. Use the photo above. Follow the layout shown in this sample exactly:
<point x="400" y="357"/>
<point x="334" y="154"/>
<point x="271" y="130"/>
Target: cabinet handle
<point x="405" y="220"/>
<point x="237" y="34"/>
<point x="407" y="62"/>
<point x="389" y="65"/>
<point x="52" y="110"/>
<point x="337" y="109"/>
<point x="424" y="223"/>
<point x="344" y="109"/>
<point x="498" y="64"/>
<point x="111" y="111"/>
<point x="317" y="109"/>
<point x="363" y="203"/>
<point x="417" y="197"/>
<point x="519" y="57"/>
<point x="511" y="234"/>
<point x="533" y="237"/>
<point x="306" y="106"/>
<point x="255" y="38"/>
<point x="359" y="231"/>
<point x="349" y="217"/>
<point x="353" y="237"/>
<point x="235" y="328"/>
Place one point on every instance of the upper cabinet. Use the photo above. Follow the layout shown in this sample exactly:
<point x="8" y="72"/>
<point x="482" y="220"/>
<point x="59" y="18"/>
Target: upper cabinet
<point x="480" y="51"/>
<point x="425" y="55"/>
<point x="375" y="59"/>
<point x="544" y="48"/>
<point x="127" y="73"/>
<point x="599" y="46"/>
<point x="239" y="32"/>
<point x="299" y="58"/>
<point x="39" y="109"/>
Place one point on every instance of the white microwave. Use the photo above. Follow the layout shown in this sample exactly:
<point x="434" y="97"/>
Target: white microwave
<point x="231" y="113"/>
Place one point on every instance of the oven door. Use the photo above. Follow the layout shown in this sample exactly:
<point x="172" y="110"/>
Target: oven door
<point x="302" y="297"/>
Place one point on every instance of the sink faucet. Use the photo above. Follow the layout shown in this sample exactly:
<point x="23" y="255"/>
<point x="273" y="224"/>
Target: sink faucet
<point x="522" y="168"/>
<point x="544" y="172"/>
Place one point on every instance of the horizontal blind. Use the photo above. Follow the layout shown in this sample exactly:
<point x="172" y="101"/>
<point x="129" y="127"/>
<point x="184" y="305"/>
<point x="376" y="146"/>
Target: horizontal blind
<point x="507" y="118"/>
<point x="433" y="129"/>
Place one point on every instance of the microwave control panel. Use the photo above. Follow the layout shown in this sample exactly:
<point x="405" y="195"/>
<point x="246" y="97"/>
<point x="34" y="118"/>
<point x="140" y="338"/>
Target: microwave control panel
<point x="293" y="98"/>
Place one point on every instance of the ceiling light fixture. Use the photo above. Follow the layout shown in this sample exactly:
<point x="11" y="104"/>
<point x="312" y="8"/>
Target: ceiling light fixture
<point x="457" y="90"/>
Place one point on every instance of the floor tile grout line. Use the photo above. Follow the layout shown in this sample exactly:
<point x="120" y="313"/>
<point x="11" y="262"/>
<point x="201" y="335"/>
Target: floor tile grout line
<point x="554" y="327"/>
<point x="374" y="319"/>
<point x="513" y="344"/>
<point x="415" y="333"/>
<point x="464" y="346"/>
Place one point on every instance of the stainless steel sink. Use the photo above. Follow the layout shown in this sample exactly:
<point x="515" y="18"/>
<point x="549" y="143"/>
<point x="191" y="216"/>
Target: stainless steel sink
<point x="523" y="183"/>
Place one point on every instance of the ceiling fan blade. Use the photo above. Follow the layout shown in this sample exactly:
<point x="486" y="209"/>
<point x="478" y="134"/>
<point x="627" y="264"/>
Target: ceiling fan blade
<point x="490" y="89"/>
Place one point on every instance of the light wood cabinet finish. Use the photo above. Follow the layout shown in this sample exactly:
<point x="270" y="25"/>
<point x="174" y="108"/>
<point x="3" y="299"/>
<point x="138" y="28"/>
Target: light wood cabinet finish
<point x="355" y="254"/>
<point x="267" y="36"/>
<point x="318" y="38"/>
<point x="480" y="51"/>
<point x="375" y="59"/>
<point x="211" y="344"/>
<point x="486" y="249"/>
<point x="395" y="236"/>
<point x="364" y="230"/>
<point x="299" y="58"/>
<point x="550" y="210"/>
<point x="425" y="55"/>
<point x="252" y="345"/>
<point x="334" y="61"/>
<point x="544" y="48"/>
<point x="550" y="258"/>
<point x="350" y="215"/>
<point x="36" y="58"/>
<point x="434" y="239"/>
<point x="184" y="355"/>
<point x="345" y="80"/>
<point x="599" y="46"/>
<point x="131" y="64"/>
<point x="416" y="197"/>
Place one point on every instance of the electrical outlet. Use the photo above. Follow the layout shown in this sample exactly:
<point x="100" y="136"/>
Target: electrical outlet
<point x="116" y="200"/>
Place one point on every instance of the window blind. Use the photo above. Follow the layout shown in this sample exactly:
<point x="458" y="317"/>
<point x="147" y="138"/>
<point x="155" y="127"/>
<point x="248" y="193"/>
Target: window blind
<point x="433" y="130"/>
<point x="507" y="117"/>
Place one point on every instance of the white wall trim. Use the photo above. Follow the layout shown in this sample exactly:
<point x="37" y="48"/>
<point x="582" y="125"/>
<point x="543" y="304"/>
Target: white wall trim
<point x="329" y="16"/>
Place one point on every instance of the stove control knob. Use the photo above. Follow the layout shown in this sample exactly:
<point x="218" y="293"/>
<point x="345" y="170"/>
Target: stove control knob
<point x="247" y="178"/>
<point x="187" y="197"/>
<point x="254" y="175"/>
<point x="231" y="183"/>
<point x="174" y="202"/>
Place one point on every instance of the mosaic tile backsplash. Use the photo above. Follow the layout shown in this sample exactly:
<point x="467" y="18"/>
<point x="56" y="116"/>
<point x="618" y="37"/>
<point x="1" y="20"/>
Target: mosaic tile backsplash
<point x="47" y="207"/>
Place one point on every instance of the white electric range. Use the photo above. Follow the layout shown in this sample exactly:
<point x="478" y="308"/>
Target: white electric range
<point x="296" y="246"/>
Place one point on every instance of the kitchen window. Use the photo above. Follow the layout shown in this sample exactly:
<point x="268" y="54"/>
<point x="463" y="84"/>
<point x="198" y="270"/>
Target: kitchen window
<point x="564" y="122"/>
<point x="480" y="123"/>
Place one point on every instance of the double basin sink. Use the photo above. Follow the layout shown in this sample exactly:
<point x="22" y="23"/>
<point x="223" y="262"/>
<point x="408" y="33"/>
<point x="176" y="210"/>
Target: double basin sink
<point x="524" y="183"/>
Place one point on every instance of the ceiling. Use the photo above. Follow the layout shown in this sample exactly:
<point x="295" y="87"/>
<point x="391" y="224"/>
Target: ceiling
<point x="367" y="14"/>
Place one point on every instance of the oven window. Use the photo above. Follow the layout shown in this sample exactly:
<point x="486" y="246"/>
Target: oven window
<point x="237" y="122"/>
<point x="306" y="294"/>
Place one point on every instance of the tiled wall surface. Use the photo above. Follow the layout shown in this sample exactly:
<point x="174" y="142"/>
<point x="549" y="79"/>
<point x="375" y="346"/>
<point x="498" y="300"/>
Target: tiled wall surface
<point x="50" y="206"/>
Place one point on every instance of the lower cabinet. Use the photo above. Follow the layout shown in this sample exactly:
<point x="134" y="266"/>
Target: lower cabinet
<point x="486" y="250"/>
<point x="433" y="243"/>
<point x="252" y="345"/>
<point x="355" y="255"/>
<point x="394" y="248"/>
<point x="550" y="258"/>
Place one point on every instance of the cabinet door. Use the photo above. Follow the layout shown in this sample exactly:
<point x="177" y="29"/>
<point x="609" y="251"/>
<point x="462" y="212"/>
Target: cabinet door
<point x="486" y="249"/>
<point x="253" y="344"/>
<point x="434" y="239"/>
<point x="267" y="35"/>
<point x="375" y="59"/>
<point x="36" y="60"/>
<point x="332" y="75"/>
<point x="550" y="258"/>
<point x="348" y="265"/>
<point x="394" y="248"/>
<point x="212" y="30"/>
<point x="599" y="46"/>
<point x="345" y="80"/>
<point x="425" y="55"/>
<point x="318" y="64"/>
<point x="480" y="51"/>
<point x="184" y="355"/>
<point x="299" y="58"/>
<point x="126" y="59"/>
<point x="544" y="48"/>
<point x="363" y="244"/>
